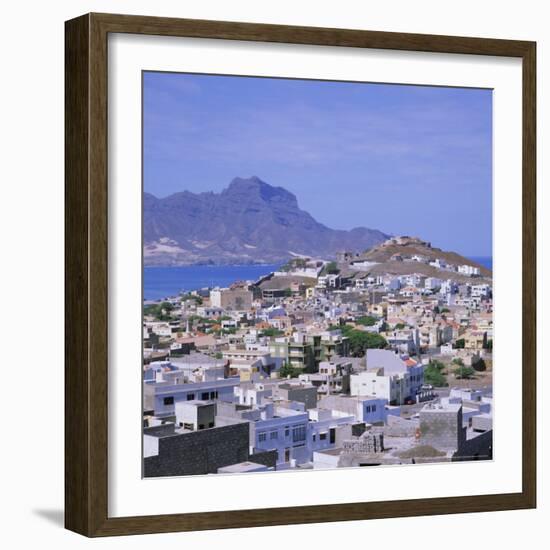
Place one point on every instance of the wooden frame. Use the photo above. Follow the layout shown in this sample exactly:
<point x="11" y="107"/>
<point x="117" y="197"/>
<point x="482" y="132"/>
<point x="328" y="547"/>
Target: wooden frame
<point x="86" y="318"/>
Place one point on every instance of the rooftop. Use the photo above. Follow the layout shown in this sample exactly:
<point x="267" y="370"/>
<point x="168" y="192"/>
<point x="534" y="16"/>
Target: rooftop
<point x="242" y="467"/>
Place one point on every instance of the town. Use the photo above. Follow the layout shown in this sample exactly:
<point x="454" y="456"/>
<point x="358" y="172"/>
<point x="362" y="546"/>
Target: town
<point x="375" y="358"/>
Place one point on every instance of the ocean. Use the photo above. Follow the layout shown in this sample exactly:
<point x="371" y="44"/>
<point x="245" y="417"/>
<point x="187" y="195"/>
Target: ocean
<point x="485" y="261"/>
<point x="163" y="282"/>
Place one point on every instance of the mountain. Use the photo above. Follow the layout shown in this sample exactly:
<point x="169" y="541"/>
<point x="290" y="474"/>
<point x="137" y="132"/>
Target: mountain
<point x="248" y="222"/>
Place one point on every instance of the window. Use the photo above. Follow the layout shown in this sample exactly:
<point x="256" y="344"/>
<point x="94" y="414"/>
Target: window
<point x="273" y="435"/>
<point x="168" y="400"/>
<point x="213" y="395"/>
<point x="323" y="436"/>
<point x="204" y="396"/>
<point x="262" y="437"/>
<point x="299" y="433"/>
<point x="374" y="408"/>
<point x="332" y="435"/>
<point x="287" y="431"/>
<point x="190" y="396"/>
<point x="368" y="409"/>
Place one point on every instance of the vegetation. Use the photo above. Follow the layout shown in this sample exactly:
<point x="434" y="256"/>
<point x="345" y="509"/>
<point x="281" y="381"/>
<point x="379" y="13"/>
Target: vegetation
<point x="272" y="332"/>
<point x="288" y="370"/>
<point x="400" y="326"/>
<point x="360" y="340"/>
<point x="195" y="297"/>
<point x="160" y="311"/>
<point x="295" y="263"/>
<point x="489" y="345"/>
<point x="479" y="366"/>
<point x="367" y="321"/>
<point x="459" y="344"/>
<point x="464" y="372"/>
<point x="332" y="268"/>
<point x="434" y="374"/>
<point x="445" y="310"/>
<point x="202" y="320"/>
<point x="225" y="331"/>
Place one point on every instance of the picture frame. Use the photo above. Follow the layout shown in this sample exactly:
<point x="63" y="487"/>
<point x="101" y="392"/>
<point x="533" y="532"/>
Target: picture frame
<point x="87" y="274"/>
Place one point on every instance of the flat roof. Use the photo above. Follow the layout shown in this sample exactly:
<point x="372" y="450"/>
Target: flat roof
<point x="195" y="403"/>
<point x="242" y="467"/>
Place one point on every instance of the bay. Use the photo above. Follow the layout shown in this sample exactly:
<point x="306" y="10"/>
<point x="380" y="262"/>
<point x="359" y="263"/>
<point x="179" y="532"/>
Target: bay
<point x="163" y="282"/>
<point x="485" y="261"/>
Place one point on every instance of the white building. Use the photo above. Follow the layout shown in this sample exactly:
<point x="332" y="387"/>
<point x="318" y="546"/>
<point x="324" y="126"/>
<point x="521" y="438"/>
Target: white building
<point x="162" y="397"/>
<point x="469" y="270"/>
<point x="403" y="340"/>
<point x="480" y="291"/>
<point x="432" y="283"/>
<point x="195" y="415"/>
<point x="368" y="409"/>
<point x="388" y="376"/>
<point x="273" y="428"/>
<point x="439" y="263"/>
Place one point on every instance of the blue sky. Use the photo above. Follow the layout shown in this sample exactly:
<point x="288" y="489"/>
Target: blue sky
<point x="413" y="160"/>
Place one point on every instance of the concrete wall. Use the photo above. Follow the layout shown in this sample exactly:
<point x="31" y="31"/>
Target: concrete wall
<point x="441" y="428"/>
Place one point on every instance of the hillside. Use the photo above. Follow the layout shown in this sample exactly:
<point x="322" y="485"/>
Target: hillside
<point x="248" y="222"/>
<point x="393" y="256"/>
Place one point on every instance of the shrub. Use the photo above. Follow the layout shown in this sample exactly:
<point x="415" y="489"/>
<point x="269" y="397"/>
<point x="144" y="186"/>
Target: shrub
<point x="464" y="372"/>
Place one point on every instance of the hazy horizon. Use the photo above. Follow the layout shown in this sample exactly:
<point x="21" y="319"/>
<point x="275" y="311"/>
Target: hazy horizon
<point x="413" y="160"/>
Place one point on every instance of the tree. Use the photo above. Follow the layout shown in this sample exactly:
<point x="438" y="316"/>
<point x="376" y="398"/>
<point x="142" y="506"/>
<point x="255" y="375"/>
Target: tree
<point x="366" y="320"/>
<point x="489" y="345"/>
<point x="479" y="366"/>
<point x="195" y="297"/>
<point x="399" y="326"/>
<point x="360" y="341"/>
<point x="458" y="361"/>
<point x="433" y="374"/>
<point x="459" y="344"/>
<point x="332" y="268"/>
<point x="288" y="370"/>
<point x="346" y="329"/>
<point x="440" y="366"/>
<point x="272" y="332"/>
<point x="160" y="311"/>
<point x="464" y="372"/>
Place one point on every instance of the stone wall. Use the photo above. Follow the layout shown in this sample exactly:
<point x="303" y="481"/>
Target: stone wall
<point x="200" y="452"/>
<point x="267" y="458"/>
<point x="479" y="447"/>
